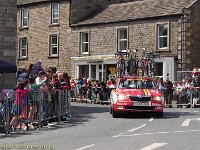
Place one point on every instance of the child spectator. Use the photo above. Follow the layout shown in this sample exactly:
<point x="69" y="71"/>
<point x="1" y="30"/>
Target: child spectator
<point x="18" y="104"/>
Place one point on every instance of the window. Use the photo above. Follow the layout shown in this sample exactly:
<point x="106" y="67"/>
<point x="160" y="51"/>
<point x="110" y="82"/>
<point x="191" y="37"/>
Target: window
<point x="53" y="45"/>
<point x="122" y="36"/>
<point x="54" y="14"/>
<point x="84" y="43"/>
<point x="162" y="39"/>
<point x="23" y="47"/>
<point x="24" y="17"/>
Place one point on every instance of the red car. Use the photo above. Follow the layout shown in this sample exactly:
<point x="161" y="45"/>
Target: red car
<point x="136" y="95"/>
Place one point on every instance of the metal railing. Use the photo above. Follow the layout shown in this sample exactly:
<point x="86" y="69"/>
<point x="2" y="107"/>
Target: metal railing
<point x="34" y="107"/>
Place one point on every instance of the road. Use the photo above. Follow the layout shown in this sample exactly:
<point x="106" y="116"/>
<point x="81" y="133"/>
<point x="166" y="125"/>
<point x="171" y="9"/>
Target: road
<point x="93" y="128"/>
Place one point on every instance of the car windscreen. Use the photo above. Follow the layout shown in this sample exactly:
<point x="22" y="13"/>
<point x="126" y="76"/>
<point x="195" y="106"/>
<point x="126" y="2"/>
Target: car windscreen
<point x="136" y="84"/>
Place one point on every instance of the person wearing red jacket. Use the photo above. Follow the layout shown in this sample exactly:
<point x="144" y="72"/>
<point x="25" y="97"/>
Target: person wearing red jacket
<point x="19" y="93"/>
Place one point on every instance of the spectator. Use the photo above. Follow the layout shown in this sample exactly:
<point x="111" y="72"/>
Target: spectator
<point x="67" y="81"/>
<point x="79" y="84"/>
<point x="18" y="104"/>
<point x="36" y="68"/>
<point x="73" y="88"/>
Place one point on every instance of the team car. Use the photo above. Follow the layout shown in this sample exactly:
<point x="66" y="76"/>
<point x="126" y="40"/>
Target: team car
<point x="134" y="94"/>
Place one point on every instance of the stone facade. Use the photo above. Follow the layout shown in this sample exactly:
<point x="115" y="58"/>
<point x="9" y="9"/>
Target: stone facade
<point x="192" y="14"/>
<point x="141" y="34"/>
<point x="38" y="33"/>
<point x="8" y="33"/>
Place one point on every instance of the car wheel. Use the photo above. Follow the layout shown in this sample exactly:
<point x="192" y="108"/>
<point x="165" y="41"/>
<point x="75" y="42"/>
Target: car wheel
<point x="159" y="114"/>
<point x="114" y="114"/>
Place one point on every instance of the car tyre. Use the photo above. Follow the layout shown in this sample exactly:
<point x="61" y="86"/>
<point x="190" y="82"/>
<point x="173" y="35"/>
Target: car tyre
<point x="114" y="114"/>
<point x="159" y="114"/>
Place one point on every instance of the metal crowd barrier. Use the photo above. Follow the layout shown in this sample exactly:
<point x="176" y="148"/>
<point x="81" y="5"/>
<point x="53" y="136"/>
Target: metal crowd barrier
<point x="189" y="97"/>
<point x="98" y="96"/>
<point x="35" y="107"/>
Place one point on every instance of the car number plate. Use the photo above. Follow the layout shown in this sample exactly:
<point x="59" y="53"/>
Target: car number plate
<point x="141" y="104"/>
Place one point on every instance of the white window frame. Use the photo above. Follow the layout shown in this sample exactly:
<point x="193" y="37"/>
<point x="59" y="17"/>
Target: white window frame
<point x="162" y="36"/>
<point x="122" y="40"/>
<point x="23" y="48"/>
<point x="53" y="13"/>
<point x="24" y="17"/>
<point x="51" y="45"/>
<point x="83" y="42"/>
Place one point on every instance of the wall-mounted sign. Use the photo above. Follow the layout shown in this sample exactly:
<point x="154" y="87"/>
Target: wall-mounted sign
<point x="95" y="62"/>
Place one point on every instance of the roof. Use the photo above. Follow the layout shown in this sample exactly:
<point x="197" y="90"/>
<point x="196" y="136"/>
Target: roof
<point x="139" y="9"/>
<point x="23" y="2"/>
<point x="28" y="2"/>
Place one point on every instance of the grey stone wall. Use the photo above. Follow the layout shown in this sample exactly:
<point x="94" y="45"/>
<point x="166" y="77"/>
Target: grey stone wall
<point x="38" y="37"/>
<point x="193" y="36"/>
<point x="8" y="34"/>
<point x="142" y="34"/>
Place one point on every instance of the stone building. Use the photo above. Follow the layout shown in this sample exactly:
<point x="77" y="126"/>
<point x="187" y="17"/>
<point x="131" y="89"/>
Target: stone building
<point x="170" y="28"/>
<point x="8" y="34"/>
<point x="44" y="34"/>
<point x="82" y="36"/>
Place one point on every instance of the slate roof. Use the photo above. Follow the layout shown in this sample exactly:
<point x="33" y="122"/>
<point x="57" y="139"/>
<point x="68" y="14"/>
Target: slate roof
<point x="23" y="2"/>
<point x="135" y="10"/>
<point x="28" y="2"/>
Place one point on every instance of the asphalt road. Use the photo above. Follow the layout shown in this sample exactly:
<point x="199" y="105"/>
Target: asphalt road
<point x="93" y="128"/>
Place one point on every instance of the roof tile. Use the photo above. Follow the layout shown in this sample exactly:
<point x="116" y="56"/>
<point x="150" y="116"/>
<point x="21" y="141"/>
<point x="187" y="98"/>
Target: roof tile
<point x="136" y="10"/>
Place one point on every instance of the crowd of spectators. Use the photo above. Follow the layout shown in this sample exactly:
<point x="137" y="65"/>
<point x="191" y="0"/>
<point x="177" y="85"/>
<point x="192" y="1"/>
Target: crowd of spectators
<point x="36" y="79"/>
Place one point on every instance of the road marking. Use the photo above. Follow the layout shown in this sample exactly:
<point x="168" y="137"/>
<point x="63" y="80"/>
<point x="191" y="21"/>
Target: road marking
<point x="163" y="132"/>
<point x="196" y="111"/>
<point x="130" y="135"/>
<point x="86" y="147"/>
<point x="150" y="119"/>
<point x="118" y="135"/>
<point x="134" y="129"/>
<point x="187" y="122"/>
<point x="153" y="146"/>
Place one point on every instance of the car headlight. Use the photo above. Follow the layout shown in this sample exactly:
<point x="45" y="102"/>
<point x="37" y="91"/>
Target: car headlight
<point x="121" y="97"/>
<point x="158" y="98"/>
<point x="114" y="97"/>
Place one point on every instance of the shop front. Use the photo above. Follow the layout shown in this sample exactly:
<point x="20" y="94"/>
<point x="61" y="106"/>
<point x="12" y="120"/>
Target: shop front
<point x="102" y="67"/>
<point x="99" y="67"/>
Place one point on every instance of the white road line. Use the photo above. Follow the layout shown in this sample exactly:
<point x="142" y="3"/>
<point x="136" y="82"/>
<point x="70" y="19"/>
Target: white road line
<point x="134" y="129"/>
<point x="196" y="111"/>
<point x="153" y="146"/>
<point x="150" y="119"/>
<point x="130" y="135"/>
<point x="186" y="123"/>
<point x="86" y="147"/>
<point x="118" y="135"/>
<point x="163" y="132"/>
